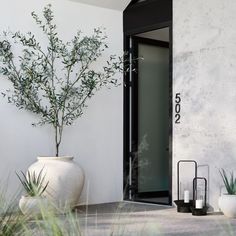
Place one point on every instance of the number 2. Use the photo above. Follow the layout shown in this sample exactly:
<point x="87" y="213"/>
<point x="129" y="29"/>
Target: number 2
<point x="177" y="116"/>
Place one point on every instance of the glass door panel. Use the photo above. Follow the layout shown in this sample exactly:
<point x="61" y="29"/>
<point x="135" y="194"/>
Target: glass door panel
<point x="151" y="121"/>
<point x="153" y="118"/>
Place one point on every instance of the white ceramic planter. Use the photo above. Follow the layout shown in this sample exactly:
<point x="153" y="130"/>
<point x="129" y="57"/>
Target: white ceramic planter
<point x="227" y="204"/>
<point x="33" y="205"/>
<point x="65" y="177"/>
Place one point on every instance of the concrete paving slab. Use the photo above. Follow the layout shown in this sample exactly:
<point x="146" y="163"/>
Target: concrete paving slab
<point x="131" y="219"/>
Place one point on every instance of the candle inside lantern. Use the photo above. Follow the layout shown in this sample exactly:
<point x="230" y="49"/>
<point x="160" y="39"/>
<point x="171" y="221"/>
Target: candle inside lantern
<point x="186" y="196"/>
<point x="199" y="204"/>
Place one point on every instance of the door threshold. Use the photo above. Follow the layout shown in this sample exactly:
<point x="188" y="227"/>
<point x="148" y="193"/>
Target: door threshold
<point x="148" y="203"/>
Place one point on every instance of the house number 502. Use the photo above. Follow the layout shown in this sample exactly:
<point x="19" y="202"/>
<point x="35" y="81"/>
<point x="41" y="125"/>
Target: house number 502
<point x="177" y="108"/>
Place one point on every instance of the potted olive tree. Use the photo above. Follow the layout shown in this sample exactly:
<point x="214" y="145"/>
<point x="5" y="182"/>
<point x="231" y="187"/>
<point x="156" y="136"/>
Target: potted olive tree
<point x="55" y="82"/>
<point x="227" y="201"/>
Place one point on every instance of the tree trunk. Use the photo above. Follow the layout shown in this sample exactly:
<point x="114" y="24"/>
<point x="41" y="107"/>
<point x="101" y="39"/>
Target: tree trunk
<point x="57" y="149"/>
<point x="57" y="143"/>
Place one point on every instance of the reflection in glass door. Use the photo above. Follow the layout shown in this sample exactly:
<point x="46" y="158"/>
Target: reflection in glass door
<point x="150" y="121"/>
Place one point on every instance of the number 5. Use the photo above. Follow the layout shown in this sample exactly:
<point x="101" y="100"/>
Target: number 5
<point x="177" y="98"/>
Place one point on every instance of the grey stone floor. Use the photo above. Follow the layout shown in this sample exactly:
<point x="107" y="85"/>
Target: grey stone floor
<point x="133" y="219"/>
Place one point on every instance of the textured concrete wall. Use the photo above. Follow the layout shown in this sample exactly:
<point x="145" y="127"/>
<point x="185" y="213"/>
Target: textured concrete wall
<point x="205" y="75"/>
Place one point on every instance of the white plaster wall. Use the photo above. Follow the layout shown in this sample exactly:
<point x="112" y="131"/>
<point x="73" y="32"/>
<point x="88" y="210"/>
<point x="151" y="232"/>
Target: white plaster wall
<point x="96" y="139"/>
<point x="205" y="75"/>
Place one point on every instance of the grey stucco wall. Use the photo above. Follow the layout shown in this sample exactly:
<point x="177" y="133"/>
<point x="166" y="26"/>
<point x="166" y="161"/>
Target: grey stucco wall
<point x="204" y="35"/>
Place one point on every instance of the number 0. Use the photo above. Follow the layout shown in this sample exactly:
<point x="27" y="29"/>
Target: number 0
<point x="177" y="108"/>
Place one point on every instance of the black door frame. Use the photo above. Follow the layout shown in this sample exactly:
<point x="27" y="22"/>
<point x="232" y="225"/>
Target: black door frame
<point x="128" y="151"/>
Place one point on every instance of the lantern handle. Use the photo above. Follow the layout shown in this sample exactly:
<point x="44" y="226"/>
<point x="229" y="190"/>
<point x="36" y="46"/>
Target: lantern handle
<point x="195" y="189"/>
<point x="178" y="165"/>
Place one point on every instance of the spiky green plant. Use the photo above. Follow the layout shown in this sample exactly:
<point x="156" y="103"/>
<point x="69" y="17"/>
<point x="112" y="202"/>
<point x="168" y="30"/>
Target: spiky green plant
<point x="11" y="221"/>
<point x="34" y="184"/>
<point x="53" y="225"/>
<point x="229" y="182"/>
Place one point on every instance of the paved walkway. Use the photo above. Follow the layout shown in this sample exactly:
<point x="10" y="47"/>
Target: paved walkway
<point x="131" y="219"/>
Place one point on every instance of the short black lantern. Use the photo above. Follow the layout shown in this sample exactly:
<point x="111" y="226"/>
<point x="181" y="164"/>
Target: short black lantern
<point x="184" y="205"/>
<point x="199" y="207"/>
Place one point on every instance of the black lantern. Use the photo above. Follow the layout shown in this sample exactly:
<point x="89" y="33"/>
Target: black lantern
<point x="199" y="207"/>
<point x="184" y="205"/>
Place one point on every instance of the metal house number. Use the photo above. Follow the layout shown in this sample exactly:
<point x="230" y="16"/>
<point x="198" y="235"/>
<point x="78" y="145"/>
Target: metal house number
<point x="177" y="108"/>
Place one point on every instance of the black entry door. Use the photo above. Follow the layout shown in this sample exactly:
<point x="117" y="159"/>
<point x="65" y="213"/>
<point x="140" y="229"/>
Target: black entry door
<point x="150" y="121"/>
<point x="148" y="103"/>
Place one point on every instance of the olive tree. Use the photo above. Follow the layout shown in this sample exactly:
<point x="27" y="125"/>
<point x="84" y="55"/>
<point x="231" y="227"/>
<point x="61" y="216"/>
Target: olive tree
<point x="55" y="81"/>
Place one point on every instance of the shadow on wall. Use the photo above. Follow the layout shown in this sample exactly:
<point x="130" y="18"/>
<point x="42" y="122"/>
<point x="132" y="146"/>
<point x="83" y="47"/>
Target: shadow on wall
<point x="112" y="4"/>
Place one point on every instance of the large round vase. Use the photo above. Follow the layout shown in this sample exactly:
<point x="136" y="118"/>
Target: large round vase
<point x="65" y="180"/>
<point x="227" y="204"/>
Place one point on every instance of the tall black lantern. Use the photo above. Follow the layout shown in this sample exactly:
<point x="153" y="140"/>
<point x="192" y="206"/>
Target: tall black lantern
<point x="182" y="205"/>
<point x="199" y="207"/>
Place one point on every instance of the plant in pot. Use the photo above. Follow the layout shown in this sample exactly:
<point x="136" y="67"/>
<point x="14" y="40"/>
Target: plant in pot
<point x="34" y="186"/>
<point x="55" y="81"/>
<point x="227" y="202"/>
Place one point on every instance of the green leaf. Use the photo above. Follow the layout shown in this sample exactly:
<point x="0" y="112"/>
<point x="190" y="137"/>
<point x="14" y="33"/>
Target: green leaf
<point x="34" y="184"/>
<point x="230" y="183"/>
